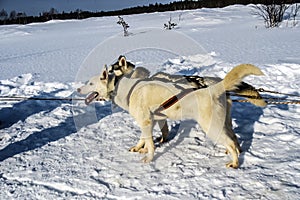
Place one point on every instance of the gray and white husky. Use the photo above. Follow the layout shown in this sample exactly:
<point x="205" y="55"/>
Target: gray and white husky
<point x="148" y="102"/>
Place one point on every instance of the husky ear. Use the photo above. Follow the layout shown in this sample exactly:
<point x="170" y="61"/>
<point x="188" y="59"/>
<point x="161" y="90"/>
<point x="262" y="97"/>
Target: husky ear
<point x="123" y="63"/>
<point x="104" y="75"/>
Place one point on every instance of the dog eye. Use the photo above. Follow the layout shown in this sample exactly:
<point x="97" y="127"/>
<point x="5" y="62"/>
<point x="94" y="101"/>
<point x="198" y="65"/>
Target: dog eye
<point x="91" y="84"/>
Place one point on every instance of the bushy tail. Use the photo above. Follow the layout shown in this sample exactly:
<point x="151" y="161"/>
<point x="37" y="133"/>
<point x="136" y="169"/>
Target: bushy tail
<point x="235" y="76"/>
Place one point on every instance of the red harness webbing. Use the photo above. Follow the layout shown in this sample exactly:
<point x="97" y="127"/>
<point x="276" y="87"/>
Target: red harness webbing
<point x="174" y="99"/>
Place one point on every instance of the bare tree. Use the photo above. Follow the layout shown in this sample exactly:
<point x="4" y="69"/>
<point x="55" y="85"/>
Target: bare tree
<point x="272" y="14"/>
<point x="180" y="17"/>
<point x="294" y="12"/>
<point x="124" y="24"/>
<point x="21" y="16"/>
<point x="3" y="15"/>
<point x="13" y="15"/>
<point x="78" y="11"/>
<point x="53" y="11"/>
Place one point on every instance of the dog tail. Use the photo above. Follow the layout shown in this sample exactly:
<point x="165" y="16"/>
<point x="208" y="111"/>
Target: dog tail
<point x="235" y="76"/>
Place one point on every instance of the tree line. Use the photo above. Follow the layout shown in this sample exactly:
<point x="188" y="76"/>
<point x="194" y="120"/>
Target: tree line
<point x="21" y="18"/>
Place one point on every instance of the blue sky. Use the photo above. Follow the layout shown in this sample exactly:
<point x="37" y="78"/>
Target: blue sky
<point x="34" y="7"/>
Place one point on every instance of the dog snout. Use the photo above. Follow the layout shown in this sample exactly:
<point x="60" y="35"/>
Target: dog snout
<point x="78" y="90"/>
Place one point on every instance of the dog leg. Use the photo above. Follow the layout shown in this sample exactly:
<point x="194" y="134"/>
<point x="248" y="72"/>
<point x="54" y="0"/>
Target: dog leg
<point x="149" y="147"/>
<point x="233" y="147"/>
<point x="145" y="144"/>
<point x="228" y="139"/>
<point x="147" y="128"/>
<point x="238" y="149"/>
<point x="233" y="151"/>
<point x="163" y="125"/>
<point x="229" y="126"/>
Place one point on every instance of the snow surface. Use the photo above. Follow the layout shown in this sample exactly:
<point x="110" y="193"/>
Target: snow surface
<point x="66" y="150"/>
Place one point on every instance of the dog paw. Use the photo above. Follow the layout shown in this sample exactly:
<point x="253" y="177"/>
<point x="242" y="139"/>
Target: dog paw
<point x="160" y="140"/>
<point x="134" y="149"/>
<point x="232" y="165"/>
<point x="147" y="159"/>
<point x="138" y="149"/>
<point x="163" y="140"/>
<point x="143" y="150"/>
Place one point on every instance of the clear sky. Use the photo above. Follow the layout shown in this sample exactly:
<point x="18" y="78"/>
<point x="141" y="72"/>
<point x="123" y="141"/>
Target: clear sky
<point x="34" y="7"/>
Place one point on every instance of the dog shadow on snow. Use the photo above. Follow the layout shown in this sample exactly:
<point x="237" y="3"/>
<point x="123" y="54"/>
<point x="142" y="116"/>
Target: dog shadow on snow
<point x="245" y="116"/>
<point x="21" y="111"/>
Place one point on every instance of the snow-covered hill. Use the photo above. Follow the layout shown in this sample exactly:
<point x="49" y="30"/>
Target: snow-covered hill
<point x="66" y="150"/>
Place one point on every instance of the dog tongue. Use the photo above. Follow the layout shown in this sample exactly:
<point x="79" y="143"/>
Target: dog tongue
<point x="91" y="97"/>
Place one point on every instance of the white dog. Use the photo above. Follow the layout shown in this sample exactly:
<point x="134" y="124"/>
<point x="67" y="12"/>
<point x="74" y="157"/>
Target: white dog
<point x="149" y="101"/>
<point x="123" y="67"/>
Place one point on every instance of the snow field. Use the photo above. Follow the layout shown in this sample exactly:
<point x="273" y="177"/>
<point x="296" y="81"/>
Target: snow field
<point x="66" y="150"/>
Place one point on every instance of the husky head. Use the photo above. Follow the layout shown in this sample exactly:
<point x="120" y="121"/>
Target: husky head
<point x="124" y="68"/>
<point x="121" y="67"/>
<point x="98" y="88"/>
<point x="101" y="87"/>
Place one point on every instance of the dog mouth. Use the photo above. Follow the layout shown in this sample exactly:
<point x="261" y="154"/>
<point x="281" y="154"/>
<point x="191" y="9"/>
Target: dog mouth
<point x="91" y="97"/>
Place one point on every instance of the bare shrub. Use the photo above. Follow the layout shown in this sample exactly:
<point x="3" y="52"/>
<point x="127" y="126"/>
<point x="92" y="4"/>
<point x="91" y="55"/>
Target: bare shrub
<point x="170" y="25"/>
<point x="124" y="24"/>
<point x="272" y="14"/>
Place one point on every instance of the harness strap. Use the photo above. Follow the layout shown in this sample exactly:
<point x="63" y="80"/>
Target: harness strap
<point x="132" y="88"/>
<point x="174" y="99"/>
